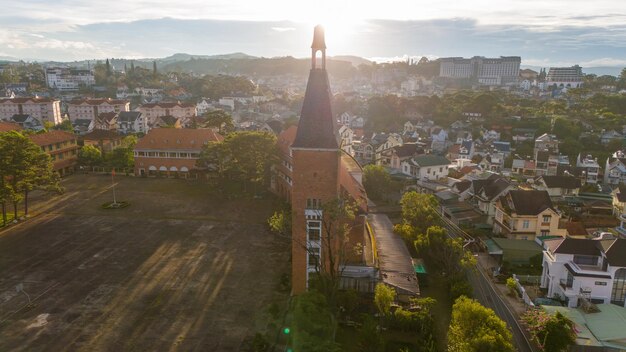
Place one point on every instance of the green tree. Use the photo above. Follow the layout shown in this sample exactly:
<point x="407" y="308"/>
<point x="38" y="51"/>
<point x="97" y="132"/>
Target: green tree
<point x="89" y="156"/>
<point x="244" y="157"/>
<point x="280" y="222"/>
<point x="313" y="324"/>
<point x="120" y="158"/>
<point x="66" y="125"/>
<point x="443" y="252"/>
<point x="25" y="167"/>
<point x="418" y="214"/>
<point x="377" y="181"/>
<point x="512" y="286"/>
<point x="219" y="119"/>
<point x="475" y="328"/>
<point x="383" y="298"/>
<point x="553" y="333"/>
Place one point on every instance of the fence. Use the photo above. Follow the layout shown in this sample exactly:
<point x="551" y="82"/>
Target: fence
<point x="522" y="291"/>
<point x="529" y="279"/>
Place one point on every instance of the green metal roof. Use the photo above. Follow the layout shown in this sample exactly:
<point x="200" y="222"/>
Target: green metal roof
<point x="431" y="160"/>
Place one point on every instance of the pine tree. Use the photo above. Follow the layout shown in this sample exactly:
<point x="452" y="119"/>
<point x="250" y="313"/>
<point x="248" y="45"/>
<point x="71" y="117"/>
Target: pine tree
<point x="108" y="66"/>
<point x="154" y="68"/>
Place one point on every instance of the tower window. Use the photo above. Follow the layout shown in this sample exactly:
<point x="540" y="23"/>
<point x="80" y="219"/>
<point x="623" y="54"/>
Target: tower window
<point x="312" y="203"/>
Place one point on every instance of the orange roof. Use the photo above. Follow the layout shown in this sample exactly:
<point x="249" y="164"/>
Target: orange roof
<point x="9" y="126"/>
<point x="286" y="138"/>
<point x="177" y="138"/>
<point x="51" y="137"/>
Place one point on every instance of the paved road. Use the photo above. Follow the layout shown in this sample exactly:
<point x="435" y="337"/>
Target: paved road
<point x="487" y="295"/>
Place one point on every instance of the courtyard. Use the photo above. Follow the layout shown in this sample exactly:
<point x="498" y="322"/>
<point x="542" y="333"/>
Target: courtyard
<point x="178" y="270"/>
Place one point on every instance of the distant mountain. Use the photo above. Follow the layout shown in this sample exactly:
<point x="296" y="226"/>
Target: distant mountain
<point x="354" y="60"/>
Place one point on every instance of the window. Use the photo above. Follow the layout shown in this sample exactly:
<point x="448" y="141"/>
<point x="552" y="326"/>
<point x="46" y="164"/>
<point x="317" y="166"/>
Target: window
<point x="618" y="294"/>
<point x="314" y="256"/>
<point x="545" y="232"/>
<point x="312" y="203"/>
<point x="586" y="259"/>
<point x="314" y="230"/>
<point x="547" y="218"/>
<point x="525" y="224"/>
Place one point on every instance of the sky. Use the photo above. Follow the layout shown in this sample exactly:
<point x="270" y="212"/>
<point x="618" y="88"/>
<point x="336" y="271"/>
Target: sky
<point x="542" y="32"/>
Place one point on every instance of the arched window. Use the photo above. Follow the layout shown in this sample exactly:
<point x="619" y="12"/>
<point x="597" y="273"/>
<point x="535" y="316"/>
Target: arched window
<point x="618" y="294"/>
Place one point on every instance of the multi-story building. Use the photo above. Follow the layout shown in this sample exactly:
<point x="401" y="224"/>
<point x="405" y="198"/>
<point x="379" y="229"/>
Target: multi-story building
<point x="548" y="143"/>
<point x="171" y="152"/>
<point x="522" y="214"/>
<point x="131" y="122"/>
<point x="427" y="167"/>
<point x="557" y="186"/>
<point x="69" y="79"/>
<point x="590" y="169"/>
<point x="182" y="111"/>
<point x="42" y="109"/>
<point x="484" y="194"/>
<point x="90" y="109"/>
<point x="568" y="77"/>
<point x="584" y="271"/>
<point x="487" y="71"/>
<point x="62" y="148"/>
<point x="615" y="169"/>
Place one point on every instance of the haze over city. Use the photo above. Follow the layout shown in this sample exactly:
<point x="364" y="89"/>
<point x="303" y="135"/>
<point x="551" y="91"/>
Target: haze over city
<point x="542" y="33"/>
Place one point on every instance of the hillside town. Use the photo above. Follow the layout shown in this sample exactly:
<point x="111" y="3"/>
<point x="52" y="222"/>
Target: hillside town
<point x="520" y="175"/>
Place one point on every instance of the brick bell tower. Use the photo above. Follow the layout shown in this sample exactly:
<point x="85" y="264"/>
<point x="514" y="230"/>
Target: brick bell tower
<point x="315" y="175"/>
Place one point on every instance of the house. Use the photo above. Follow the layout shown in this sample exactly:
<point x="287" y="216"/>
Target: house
<point x="523" y="167"/>
<point x="590" y="168"/>
<point x="83" y="126"/>
<point x="464" y="151"/>
<point x="619" y="207"/>
<point x="557" y="186"/>
<point x="439" y="138"/>
<point x="490" y="135"/>
<point x="486" y="192"/>
<point x="615" y="169"/>
<point x="131" y="122"/>
<point x="62" y="148"/>
<point x="345" y="119"/>
<point x="609" y="136"/>
<point x="493" y="162"/>
<point x="106" y="121"/>
<point x="203" y="106"/>
<point x="27" y="122"/>
<point x="593" y="270"/>
<point x="547" y="143"/>
<point x="171" y="152"/>
<point x="167" y="122"/>
<point x="426" y="167"/>
<point x="105" y="140"/>
<point x="502" y="147"/>
<point x="523" y="134"/>
<point x="394" y="156"/>
<point x="382" y="142"/>
<point x="522" y="214"/>
<point x="345" y="136"/>
<point x="546" y="163"/>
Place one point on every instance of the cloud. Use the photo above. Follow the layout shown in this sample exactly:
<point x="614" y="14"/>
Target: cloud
<point x="379" y="39"/>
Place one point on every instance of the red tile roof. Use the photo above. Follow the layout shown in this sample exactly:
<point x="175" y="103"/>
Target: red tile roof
<point x="9" y="126"/>
<point x="286" y="138"/>
<point x="177" y="138"/>
<point x="51" y="137"/>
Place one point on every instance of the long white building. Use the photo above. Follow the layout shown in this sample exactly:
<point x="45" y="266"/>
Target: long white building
<point x="487" y="71"/>
<point x="42" y="109"/>
<point x="69" y="79"/>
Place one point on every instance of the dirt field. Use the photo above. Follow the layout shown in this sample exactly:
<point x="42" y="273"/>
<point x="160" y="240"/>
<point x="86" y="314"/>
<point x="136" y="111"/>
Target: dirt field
<point x="178" y="270"/>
